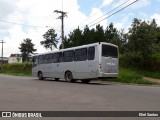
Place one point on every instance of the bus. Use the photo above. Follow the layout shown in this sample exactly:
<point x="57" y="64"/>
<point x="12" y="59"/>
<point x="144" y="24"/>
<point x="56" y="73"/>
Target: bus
<point x="86" y="62"/>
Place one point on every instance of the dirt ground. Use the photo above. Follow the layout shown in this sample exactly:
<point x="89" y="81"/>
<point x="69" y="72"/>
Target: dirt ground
<point x="152" y="79"/>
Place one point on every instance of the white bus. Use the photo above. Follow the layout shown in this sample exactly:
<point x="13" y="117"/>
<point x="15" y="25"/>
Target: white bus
<point x="97" y="60"/>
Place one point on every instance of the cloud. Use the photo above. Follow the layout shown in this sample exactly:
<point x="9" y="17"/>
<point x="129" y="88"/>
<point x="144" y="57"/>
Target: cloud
<point x="156" y="16"/>
<point x="35" y="13"/>
<point x="106" y="3"/>
<point x="138" y="4"/>
<point x="142" y="14"/>
<point x="125" y="22"/>
<point x="95" y="18"/>
<point x="6" y="7"/>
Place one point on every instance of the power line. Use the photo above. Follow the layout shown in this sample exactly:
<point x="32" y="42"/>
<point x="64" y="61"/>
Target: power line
<point x="114" y="13"/>
<point x="109" y="11"/>
<point x="21" y="24"/>
<point x="104" y="14"/>
<point x="28" y="25"/>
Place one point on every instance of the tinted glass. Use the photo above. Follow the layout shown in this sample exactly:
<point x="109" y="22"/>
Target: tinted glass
<point x="34" y="61"/>
<point x="68" y="56"/>
<point x="41" y="59"/>
<point x="109" y="51"/>
<point x="81" y="54"/>
<point x="91" y="53"/>
<point x="57" y="57"/>
<point x="48" y="58"/>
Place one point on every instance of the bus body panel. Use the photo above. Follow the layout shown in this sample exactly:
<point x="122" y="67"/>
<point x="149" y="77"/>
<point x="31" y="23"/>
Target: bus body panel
<point x="100" y="66"/>
<point x="80" y="69"/>
<point x="108" y="61"/>
<point x="109" y="67"/>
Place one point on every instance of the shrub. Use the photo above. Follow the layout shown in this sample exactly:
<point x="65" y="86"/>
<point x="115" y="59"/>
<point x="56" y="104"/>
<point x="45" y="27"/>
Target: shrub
<point x="151" y="63"/>
<point x="17" y="68"/>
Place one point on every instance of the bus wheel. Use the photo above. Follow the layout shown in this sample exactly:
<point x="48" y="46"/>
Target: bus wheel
<point x="85" y="81"/>
<point x="56" y="79"/>
<point x="69" y="76"/>
<point x="40" y="76"/>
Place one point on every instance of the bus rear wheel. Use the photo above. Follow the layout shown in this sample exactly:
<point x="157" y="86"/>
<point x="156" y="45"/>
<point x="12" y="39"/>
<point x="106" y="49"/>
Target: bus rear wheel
<point x="69" y="76"/>
<point x="85" y="81"/>
<point x="40" y="76"/>
<point x="56" y="79"/>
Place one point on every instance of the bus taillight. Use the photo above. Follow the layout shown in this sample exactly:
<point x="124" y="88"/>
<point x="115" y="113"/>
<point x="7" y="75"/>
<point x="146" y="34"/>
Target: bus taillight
<point x="100" y="65"/>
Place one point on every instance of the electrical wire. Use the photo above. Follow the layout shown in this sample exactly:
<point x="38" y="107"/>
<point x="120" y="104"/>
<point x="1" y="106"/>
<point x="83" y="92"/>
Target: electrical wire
<point x="21" y="24"/>
<point x="114" y="13"/>
<point x="110" y="11"/>
<point x="28" y="25"/>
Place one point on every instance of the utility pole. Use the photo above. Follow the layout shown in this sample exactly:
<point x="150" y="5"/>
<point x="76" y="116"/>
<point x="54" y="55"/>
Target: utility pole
<point x="63" y="14"/>
<point x="2" y="53"/>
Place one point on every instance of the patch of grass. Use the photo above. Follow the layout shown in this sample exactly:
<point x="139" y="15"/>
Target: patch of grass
<point x="17" y="69"/>
<point x="16" y="73"/>
<point x="145" y="73"/>
<point x="130" y="76"/>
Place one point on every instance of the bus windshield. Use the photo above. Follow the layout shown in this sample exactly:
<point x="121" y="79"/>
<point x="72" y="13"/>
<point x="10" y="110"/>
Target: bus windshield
<point x="109" y="51"/>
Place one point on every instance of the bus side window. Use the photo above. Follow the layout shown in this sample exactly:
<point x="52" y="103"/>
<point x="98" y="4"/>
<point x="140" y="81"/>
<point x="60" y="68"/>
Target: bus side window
<point x="34" y="61"/>
<point x="91" y="53"/>
<point x="48" y="58"/>
<point x="68" y="56"/>
<point x="57" y="57"/>
<point x="81" y="54"/>
<point x="60" y="57"/>
<point x="41" y="59"/>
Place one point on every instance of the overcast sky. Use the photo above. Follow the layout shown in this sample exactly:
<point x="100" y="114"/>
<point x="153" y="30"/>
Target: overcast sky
<point x="15" y="15"/>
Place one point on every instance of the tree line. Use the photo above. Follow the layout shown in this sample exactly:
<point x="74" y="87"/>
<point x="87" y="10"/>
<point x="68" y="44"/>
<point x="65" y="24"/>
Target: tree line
<point x="140" y="42"/>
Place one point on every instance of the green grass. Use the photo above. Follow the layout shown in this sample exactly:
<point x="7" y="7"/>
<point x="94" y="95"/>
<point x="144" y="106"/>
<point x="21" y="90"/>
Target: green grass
<point x="16" y="73"/>
<point x="130" y="76"/>
<point x="145" y="73"/>
<point x="17" y="69"/>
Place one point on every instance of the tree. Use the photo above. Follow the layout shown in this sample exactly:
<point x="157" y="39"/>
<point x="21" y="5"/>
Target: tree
<point x="18" y="57"/>
<point x="50" y="39"/>
<point x="142" y="37"/>
<point x="88" y="35"/>
<point x="123" y="44"/>
<point x="26" y="48"/>
<point x="99" y="35"/>
<point x="111" y="34"/>
<point x="75" y="38"/>
<point x="158" y="40"/>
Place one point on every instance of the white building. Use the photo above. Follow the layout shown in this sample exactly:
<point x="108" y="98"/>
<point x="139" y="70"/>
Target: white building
<point x="15" y="58"/>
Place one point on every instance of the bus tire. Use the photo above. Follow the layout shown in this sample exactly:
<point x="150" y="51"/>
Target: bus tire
<point x="85" y="80"/>
<point x="56" y="79"/>
<point x="69" y="76"/>
<point x="40" y="76"/>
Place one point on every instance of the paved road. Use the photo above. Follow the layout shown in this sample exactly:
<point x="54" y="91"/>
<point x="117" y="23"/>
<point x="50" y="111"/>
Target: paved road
<point x="29" y="94"/>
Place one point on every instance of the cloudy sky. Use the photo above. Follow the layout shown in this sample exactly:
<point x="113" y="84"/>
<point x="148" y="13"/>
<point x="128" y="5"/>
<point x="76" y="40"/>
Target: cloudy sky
<point x="20" y="19"/>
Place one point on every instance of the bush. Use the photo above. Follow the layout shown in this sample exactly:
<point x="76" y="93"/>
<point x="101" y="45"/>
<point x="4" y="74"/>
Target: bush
<point x="151" y="63"/>
<point x="17" y="68"/>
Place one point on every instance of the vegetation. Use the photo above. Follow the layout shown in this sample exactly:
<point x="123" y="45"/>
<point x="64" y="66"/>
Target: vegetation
<point x="18" y="69"/>
<point x="130" y="76"/>
<point x="50" y="39"/>
<point x="26" y="48"/>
